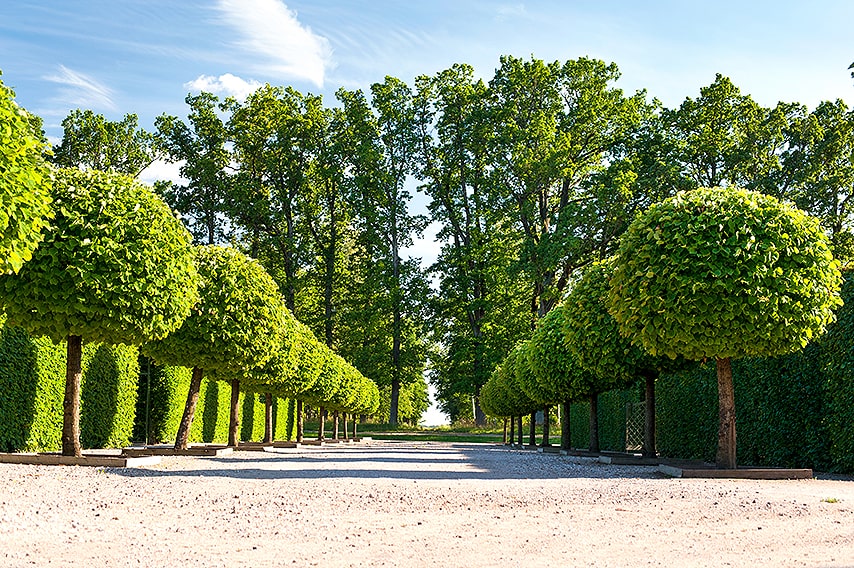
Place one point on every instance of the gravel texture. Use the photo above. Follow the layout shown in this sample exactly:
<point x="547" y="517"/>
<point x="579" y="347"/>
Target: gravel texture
<point x="409" y="504"/>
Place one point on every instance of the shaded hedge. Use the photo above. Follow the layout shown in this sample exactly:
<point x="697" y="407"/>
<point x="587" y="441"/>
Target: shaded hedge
<point x="612" y="420"/>
<point x="32" y="386"/>
<point x="168" y="394"/>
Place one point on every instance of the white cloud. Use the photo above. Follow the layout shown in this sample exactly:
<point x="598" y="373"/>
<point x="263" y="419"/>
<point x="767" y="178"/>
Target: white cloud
<point x="82" y="91"/>
<point x="162" y="170"/>
<point x="227" y="84"/>
<point x="271" y="30"/>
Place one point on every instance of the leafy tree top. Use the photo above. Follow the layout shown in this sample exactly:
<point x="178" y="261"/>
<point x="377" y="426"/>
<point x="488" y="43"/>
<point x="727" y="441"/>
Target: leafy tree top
<point x="724" y="272"/>
<point x="24" y="184"/>
<point x="237" y="324"/>
<point x="554" y="365"/>
<point x="115" y="266"/>
<point x="593" y="336"/>
<point x="296" y="364"/>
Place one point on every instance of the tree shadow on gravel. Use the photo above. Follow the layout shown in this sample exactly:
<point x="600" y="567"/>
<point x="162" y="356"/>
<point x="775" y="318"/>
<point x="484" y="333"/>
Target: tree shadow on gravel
<point x="447" y="462"/>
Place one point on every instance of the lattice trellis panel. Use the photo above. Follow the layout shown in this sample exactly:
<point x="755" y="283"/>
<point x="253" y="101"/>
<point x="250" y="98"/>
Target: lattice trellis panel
<point x="634" y="426"/>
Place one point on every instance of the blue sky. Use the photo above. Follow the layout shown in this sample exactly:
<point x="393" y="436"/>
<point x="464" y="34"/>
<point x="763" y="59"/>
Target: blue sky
<point x="144" y="56"/>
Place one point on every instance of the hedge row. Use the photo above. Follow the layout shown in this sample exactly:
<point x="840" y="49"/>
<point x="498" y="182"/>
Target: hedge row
<point x="32" y="386"/>
<point x="113" y="398"/>
<point x="167" y="396"/>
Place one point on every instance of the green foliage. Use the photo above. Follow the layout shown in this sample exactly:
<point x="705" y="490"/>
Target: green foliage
<point x="723" y="273"/>
<point x="32" y="379"/>
<point x="237" y="324"/>
<point x="412" y="403"/>
<point x="795" y="410"/>
<point x="108" y="395"/>
<point x="24" y="184"/>
<point x="556" y="368"/>
<point x="91" y="142"/>
<point x="168" y="394"/>
<point x="115" y="265"/>
<point x="32" y="385"/>
<point x="294" y="367"/>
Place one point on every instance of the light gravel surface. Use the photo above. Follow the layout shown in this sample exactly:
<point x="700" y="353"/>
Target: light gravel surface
<point x="411" y="504"/>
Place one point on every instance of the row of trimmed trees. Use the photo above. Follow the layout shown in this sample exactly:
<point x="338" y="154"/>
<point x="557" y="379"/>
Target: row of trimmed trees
<point x="716" y="273"/>
<point x="116" y="266"/>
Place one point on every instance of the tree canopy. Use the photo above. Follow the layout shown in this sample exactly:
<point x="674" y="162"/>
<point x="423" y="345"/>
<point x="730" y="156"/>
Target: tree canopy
<point x="24" y="184"/>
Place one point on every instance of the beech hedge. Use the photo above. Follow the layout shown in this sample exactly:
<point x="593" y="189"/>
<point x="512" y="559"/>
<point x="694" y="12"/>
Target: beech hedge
<point x="32" y="384"/>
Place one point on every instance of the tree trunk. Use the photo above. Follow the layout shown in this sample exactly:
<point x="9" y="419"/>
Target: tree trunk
<point x="594" y="423"/>
<point x="268" y="418"/>
<point x="321" y="428"/>
<point x="234" y="415"/>
<point x="512" y="430"/>
<point x="565" y="437"/>
<point x="395" y="397"/>
<point x="532" y="430"/>
<point x="344" y="419"/>
<point x="479" y="414"/>
<point x="71" y="402"/>
<point x="189" y="410"/>
<point x="546" y="434"/>
<point x="520" y="433"/>
<point x="335" y="425"/>
<point x="726" y="458"/>
<point x="504" y="437"/>
<point x="355" y="428"/>
<point x="649" y="449"/>
<point x="299" y="422"/>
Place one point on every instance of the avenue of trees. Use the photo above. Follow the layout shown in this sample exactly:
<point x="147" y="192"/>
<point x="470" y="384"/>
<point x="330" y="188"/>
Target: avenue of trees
<point x="530" y="179"/>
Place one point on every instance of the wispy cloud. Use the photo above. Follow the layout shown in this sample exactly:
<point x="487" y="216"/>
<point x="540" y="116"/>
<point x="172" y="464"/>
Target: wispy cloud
<point x="227" y="84"/>
<point x="271" y="30"/>
<point x="512" y="12"/>
<point x="79" y="90"/>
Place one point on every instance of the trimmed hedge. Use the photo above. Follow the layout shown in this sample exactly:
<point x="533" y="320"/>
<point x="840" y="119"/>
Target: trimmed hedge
<point x="612" y="420"/>
<point x="169" y="386"/>
<point x="32" y="386"/>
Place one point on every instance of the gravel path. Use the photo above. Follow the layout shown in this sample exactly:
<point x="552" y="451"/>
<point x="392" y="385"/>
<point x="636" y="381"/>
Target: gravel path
<point x="411" y="504"/>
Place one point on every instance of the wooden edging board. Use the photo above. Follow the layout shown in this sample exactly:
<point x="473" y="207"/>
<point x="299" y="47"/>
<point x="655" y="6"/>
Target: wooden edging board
<point x="90" y="460"/>
<point x="746" y="473"/>
<point x="629" y="460"/>
<point x="198" y="451"/>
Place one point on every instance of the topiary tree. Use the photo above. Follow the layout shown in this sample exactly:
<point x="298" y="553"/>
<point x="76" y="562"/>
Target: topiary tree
<point x="237" y="324"/>
<point x="555" y="367"/>
<point x="115" y="267"/>
<point x="723" y="273"/>
<point x="24" y="184"/>
<point x="593" y="336"/>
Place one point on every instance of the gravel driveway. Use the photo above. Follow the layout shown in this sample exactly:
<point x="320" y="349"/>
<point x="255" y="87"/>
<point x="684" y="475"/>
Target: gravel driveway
<point x="412" y="504"/>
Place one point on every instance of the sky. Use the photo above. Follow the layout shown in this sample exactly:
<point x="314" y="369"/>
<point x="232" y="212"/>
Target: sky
<point x="144" y="56"/>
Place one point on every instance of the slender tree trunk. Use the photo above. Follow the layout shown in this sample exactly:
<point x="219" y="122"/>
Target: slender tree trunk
<point x="532" y="430"/>
<point x="565" y="437"/>
<point x="322" y="424"/>
<point x="594" y="423"/>
<point x="300" y="425"/>
<point x="504" y="437"/>
<point x="520" y="433"/>
<point x="268" y="418"/>
<point x="512" y="430"/>
<point x="335" y="425"/>
<point x="395" y="397"/>
<point x="234" y="415"/>
<point x="355" y="428"/>
<point x="183" y="434"/>
<point x="726" y="458"/>
<point x="546" y="428"/>
<point x="344" y="418"/>
<point x="71" y="402"/>
<point x="649" y="449"/>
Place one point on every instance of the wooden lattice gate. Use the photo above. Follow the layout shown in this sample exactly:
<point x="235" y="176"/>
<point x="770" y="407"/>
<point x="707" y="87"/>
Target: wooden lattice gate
<point x="634" y="426"/>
